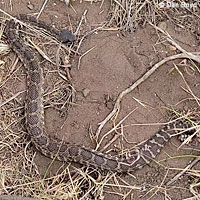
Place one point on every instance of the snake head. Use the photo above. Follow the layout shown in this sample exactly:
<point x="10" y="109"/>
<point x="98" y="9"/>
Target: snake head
<point x="66" y="36"/>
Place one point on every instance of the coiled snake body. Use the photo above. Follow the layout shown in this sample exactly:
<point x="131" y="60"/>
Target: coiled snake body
<point x="63" y="151"/>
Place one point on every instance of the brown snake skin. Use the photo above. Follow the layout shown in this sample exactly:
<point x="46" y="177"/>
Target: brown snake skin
<point x="64" y="151"/>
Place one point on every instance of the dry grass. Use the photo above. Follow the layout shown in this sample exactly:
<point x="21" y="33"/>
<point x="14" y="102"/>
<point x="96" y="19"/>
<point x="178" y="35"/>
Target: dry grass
<point x="18" y="172"/>
<point x="129" y="15"/>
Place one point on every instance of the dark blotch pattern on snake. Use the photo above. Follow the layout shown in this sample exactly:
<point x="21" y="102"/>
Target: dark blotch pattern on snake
<point x="63" y="151"/>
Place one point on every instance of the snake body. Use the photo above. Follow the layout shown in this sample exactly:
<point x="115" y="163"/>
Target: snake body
<point x="34" y="108"/>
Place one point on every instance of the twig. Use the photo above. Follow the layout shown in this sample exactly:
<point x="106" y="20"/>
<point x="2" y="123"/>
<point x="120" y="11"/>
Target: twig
<point x="80" y="58"/>
<point x="192" y="198"/>
<point x="114" y="128"/>
<point x="42" y="8"/>
<point x="11" y="98"/>
<point x="191" y="55"/>
<point x="184" y="170"/>
<point x="13" y="197"/>
<point x="87" y="34"/>
<point x="11" y="73"/>
<point x="111" y="141"/>
<point x="139" y="81"/>
<point x="81" y="21"/>
<point x="188" y="87"/>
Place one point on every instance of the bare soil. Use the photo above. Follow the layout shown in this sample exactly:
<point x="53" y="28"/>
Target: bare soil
<point x="114" y="61"/>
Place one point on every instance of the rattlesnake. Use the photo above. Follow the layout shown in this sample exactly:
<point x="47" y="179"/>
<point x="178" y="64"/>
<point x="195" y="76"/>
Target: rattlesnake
<point x="64" y="151"/>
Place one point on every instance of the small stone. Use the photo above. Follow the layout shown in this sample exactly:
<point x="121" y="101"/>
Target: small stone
<point x="172" y="48"/>
<point x="30" y="6"/>
<point x="67" y="2"/>
<point x="163" y="25"/>
<point x="86" y="92"/>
